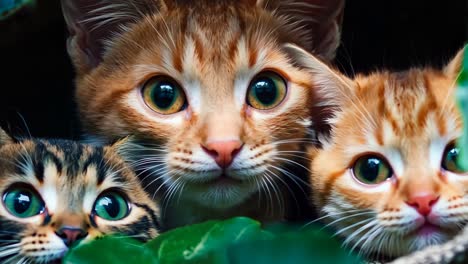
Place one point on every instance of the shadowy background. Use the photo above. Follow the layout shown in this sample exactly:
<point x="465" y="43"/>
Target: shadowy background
<point x="36" y="77"/>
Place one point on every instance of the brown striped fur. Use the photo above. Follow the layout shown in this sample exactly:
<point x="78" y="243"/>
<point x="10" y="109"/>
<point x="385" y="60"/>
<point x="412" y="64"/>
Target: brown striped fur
<point x="68" y="177"/>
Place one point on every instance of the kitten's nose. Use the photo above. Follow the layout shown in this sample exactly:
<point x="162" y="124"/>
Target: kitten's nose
<point x="223" y="152"/>
<point x="70" y="234"/>
<point x="423" y="202"/>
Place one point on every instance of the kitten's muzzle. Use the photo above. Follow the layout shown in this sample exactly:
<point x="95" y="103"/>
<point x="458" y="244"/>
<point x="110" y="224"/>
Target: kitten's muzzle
<point x="70" y="234"/>
<point x="223" y="152"/>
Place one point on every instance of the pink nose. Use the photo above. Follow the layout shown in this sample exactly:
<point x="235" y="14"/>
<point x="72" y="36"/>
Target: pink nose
<point x="71" y="234"/>
<point x="223" y="152"/>
<point x="423" y="202"/>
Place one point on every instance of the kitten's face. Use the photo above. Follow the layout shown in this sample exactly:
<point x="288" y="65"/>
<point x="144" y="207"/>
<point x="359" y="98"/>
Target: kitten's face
<point x="387" y="179"/>
<point x="57" y="194"/>
<point x="211" y="87"/>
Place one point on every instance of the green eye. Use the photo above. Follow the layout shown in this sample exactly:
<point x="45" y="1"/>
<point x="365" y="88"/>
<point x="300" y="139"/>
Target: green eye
<point x="23" y="202"/>
<point x="449" y="161"/>
<point x="164" y="95"/>
<point x="266" y="91"/>
<point x="111" y="206"/>
<point x="372" y="169"/>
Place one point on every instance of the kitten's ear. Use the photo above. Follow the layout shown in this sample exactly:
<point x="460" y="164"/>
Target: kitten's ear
<point x="321" y="19"/>
<point x="332" y="88"/>
<point x="92" y="23"/>
<point x="454" y="67"/>
<point x="5" y="138"/>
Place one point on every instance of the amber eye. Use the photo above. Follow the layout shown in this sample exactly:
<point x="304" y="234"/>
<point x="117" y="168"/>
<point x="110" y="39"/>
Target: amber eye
<point x="372" y="169"/>
<point x="164" y="95"/>
<point x="449" y="160"/>
<point x="266" y="91"/>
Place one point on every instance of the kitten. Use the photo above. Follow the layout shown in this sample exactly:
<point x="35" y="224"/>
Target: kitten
<point x="218" y="107"/>
<point x="59" y="193"/>
<point x="386" y="178"/>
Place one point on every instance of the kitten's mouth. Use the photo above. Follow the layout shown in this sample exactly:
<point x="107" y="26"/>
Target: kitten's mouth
<point x="427" y="229"/>
<point x="223" y="179"/>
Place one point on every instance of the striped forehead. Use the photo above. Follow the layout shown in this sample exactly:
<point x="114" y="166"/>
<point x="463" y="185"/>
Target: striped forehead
<point x="209" y="66"/>
<point x="403" y="105"/>
<point x="402" y="117"/>
<point x="66" y="173"/>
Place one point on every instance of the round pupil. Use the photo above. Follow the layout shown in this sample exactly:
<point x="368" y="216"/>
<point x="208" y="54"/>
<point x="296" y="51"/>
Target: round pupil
<point x="452" y="155"/>
<point x="21" y="201"/>
<point x="370" y="169"/>
<point x="164" y="94"/>
<point x="111" y="205"/>
<point x="265" y="90"/>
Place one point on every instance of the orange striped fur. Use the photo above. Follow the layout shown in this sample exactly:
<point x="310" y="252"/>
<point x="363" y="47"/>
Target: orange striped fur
<point x="213" y="49"/>
<point x="409" y="119"/>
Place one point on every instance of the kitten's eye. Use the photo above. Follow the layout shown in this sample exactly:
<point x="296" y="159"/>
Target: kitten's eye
<point x="23" y="202"/>
<point x="266" y="91"/>
<point x="372" y="169"/>
<point x="449" y="161"/>
<point x="111" y="206"/>
<point x="164" y="95"/>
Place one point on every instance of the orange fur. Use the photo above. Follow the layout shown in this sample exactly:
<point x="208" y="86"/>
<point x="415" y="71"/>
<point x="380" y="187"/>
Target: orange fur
<point x="213" y="49"/>
<point x="409" y="118"/>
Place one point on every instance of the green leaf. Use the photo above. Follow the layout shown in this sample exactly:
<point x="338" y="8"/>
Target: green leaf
<point x="206" y="242"/>
<point x="463" y="77"/>
<point x="237" y="240"/>
<point x="462" y="98"/>
<point x="295" y="247"/>
<point x="110" y="250"/>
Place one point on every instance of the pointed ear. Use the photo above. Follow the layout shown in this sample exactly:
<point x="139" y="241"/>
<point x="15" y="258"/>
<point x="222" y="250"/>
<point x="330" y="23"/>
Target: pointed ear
<point x="332" y="88"/>
<point x="5" y="138"/>
<point x="93" y="22"/>
<point x="321" y="19"/>
<point x="454" y="67"/>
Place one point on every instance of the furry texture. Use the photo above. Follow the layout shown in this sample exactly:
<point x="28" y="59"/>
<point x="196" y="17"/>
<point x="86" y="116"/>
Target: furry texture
<point x="407" y="120"/>
<point x="67" y="178"/>
<point x="213" y="50"/>
<point x="453" y="251"/>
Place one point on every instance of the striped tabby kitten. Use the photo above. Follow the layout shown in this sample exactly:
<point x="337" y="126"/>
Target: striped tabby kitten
<point x="59" y="193"/>
<point x="219" y="107"/>
<point x="386" y="178"/>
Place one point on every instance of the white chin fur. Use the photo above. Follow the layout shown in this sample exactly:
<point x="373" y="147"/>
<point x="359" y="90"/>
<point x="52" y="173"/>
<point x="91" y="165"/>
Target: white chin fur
<point x="399" y="246"/>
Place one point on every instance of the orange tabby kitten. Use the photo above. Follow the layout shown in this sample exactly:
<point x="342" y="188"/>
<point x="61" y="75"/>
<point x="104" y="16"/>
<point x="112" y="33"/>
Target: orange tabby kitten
<point x="386" y="177"/>
<point x="217" y="105"/>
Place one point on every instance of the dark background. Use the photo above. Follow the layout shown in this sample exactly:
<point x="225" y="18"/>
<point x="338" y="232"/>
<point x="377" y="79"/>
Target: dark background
<point x="36" y="77"/>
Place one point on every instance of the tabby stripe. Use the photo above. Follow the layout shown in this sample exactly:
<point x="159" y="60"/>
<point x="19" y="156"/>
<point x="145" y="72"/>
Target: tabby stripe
<point x="198" y="46"/>
<point x="39" y="171"/>
<point x="96" y="158"/>
<point x="331" y="182"/>
<point x="75" y="153"/>
<point x="42" y="155"/>
<point x="152" y="214"/>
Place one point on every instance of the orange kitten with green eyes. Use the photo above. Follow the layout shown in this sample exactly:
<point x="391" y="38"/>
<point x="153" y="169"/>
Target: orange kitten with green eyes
<point x="386" y="177"/>
<point x="217" y="106"/>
